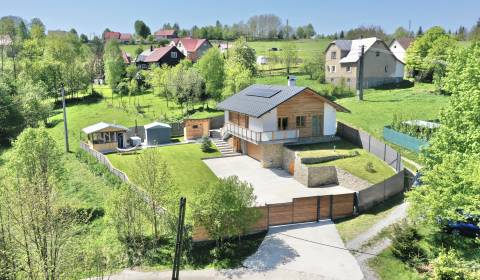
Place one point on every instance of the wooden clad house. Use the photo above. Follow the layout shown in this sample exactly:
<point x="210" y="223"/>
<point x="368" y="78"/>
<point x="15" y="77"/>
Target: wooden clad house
<point x="105" y="137"/>
<point x="168" y="55"/>
<point x="260" y="119"/>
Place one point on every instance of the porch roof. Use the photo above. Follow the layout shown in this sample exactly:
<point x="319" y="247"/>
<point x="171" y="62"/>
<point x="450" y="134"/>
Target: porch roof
<point x="101" y="126"/>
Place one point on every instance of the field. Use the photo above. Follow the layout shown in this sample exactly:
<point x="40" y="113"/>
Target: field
<point x="184" y="163"/>
<point x="305" y="47"/>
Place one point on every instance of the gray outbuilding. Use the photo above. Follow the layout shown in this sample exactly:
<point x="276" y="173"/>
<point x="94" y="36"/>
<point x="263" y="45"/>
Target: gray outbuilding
<point x="157" y="133"/>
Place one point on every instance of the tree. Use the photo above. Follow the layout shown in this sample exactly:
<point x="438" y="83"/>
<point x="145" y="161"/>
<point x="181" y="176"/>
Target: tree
<point x="11" y="118"/>
<point x="141" y="29"/>
<point x="36" y="107"/>
<point x="212" y="68"/>
<point x="114" y="65"/>
<point x="419" y="31"/>
<point x="365" y="32"/>
<point x="83" y="38"/>
<point x="237" y="77"/>
<point x="159" y="79"/>
<point x="309" y="30"/>
<point x="342" y="35"/>
<point x="452" y="172"/>
<point x="43" y="225"/>
<point x="224" y="209"/>
<point x="244" y="55"/>
<point x="400" y="32"/>
<point x="289" y="55"/>
<point x="153" y="176"/>
<point x="314" y="66"/>
<point x="300" y="32"/>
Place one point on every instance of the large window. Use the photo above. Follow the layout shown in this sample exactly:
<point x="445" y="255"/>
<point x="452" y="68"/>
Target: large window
<point x="349" y="69"/>
<point x="282" y="123"/>
<point x="300" y="121"/>
<point x="333" y="55"/>
<point x="173" y="54"/>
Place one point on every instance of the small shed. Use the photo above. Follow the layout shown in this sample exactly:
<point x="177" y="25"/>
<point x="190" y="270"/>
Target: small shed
<point x="106" y="137"/>
<point x="157" y="133"/>
<point x="196" y="128"/>
<point x="262" y="60"/>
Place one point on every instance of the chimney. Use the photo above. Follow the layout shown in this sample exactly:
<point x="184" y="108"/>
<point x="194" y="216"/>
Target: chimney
<point x="292" y="80"/>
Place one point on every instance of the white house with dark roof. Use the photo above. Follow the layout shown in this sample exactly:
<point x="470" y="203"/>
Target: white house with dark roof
<point x="381" y="66"/>
<point x="260" y="119"/>
<point x="399" y="47"/>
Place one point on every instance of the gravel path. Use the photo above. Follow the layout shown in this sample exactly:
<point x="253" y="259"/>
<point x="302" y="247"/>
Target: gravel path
<point x="398" y="213"/>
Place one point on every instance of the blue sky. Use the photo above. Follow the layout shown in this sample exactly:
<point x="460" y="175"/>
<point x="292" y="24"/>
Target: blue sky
<point x="92" y="16"/>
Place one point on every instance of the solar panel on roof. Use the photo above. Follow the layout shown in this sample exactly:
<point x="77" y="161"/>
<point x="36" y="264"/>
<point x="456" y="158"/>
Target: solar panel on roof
<point x="262" y="92"/>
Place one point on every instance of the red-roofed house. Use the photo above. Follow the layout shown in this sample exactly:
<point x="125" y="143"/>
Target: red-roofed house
<point x="125" y="37"/>
<point x="122" y="37"/>
<point x="165" y="34"/>
<point x="126" y="57"/>
<point x="192" y="48"/>
<point x="168" y="55"/>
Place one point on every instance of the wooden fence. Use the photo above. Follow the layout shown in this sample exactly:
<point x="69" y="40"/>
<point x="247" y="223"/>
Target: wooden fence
<point x="300" y="210"/>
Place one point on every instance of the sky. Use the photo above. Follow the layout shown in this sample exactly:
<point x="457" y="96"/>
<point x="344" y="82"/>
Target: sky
<point x="93" y="16"/>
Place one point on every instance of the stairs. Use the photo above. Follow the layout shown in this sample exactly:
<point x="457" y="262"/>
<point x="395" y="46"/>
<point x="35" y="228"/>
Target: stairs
<point x="225" y="149"/>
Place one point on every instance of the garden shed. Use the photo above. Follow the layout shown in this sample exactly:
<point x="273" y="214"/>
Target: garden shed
<point x="157" y="133"/>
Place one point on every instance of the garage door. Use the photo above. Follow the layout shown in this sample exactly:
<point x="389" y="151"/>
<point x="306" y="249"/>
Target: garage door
<point x="254" y="151"/>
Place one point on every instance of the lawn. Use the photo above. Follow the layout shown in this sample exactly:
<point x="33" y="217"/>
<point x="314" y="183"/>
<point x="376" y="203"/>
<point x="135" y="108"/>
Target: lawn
<point x="131" y="49"/>
<point x="388" y="266"/>
<point x="355" y="165"/>
<point x="302" y="81"/>
<point x="184" y="162"/>
<point x="305" y="47"/>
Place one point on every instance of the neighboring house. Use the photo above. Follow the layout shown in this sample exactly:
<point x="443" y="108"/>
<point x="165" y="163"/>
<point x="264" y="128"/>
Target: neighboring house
<point x="121" y="37"/>
<point x="260" y="119"/>
<point x="126" y="57"/>
<point x="224" y="47"/>
<point x="163" y="34"/>
<point x="192" y="48"/>
<point x="5" y="40"/>
<point x="399" y="47"/>
<point x="168" y="55"/>
<point x="380" y="64"/>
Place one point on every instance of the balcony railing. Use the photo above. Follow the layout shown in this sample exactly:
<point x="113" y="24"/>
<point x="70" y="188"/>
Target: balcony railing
<point x="264" y="136"/>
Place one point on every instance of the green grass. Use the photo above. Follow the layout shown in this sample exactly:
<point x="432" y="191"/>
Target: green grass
<point x="305" y="47"/>
<point x="379" y="106"/>
<point x="302" y="80"/>
<point x="388" y="266"/>
<point x="184" y="162"/>
<point x="349" y="228"/>
<point x="131" y="49"/>
<point x="354" y="165"/>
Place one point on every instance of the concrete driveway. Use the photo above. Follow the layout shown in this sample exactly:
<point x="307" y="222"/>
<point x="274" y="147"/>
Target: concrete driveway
<point x="271" y="185"/>
<point x="309" y="251"/>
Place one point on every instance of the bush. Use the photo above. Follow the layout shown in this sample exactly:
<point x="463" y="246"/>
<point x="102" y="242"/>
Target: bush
<point x="405" y="244"/>
<point x="448" y="265"/>
<point x="369" y="167"/>
<point x="206" y="144"/>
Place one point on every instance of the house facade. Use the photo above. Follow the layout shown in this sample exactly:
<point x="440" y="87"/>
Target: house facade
<point x="380" y="64"/>
<point x="168" y="55"/>
<point x="106" y="137"/>
<point x="399" y="47"/>
<point x="121" y="37"/>
<point x="192" y="48"/>
<point x="167" y="34"/>
<point x="260" y="119"/>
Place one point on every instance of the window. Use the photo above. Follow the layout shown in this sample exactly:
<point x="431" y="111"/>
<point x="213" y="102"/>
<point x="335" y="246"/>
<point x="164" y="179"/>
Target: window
<point x="377" y="53"/>
<point x="173" y="54"/>
<point x="107" y="137"/>
<point x="349" y="69"/>
<point x="386" y="68"/>
<point x="333" y="69"/>
<point x="333" y="55"/>
<point x="300" y="121"/>
<point x="332" y="80"/>
<point x="194" y="126"/>
<point x="282" y="123"/>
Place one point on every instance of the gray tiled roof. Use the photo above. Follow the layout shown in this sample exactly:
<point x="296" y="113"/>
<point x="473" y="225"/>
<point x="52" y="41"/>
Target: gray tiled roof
<point x="344" y="45"/>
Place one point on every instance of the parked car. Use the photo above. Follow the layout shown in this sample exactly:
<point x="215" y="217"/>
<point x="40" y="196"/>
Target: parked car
<point x="469" y="226"/>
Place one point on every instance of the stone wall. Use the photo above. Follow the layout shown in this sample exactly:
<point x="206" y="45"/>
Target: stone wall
<point x="272" y="155"/>
<point x="316" y="176"/>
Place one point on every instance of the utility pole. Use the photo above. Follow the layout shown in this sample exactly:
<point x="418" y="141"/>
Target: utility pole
<point x="178" y="245"/>
<point x="286" y="31"/>
<point x="360" y="75"/>
<point x="67" y="149"/>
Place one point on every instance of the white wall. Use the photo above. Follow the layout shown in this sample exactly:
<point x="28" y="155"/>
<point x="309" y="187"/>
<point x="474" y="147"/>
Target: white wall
<point x="267" y="122"/>
<point x="330" y="120"/>
<point x="226" y="116"/>
<point x="398" y="50"/>
<point x="399" y="70"/>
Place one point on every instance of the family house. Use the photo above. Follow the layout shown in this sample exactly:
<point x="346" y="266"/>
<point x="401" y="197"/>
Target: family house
<point x="399" y="47"/>
<point x="168" y="55"/>
<point x="192" y="48"/>
<point x="126" y="57"/>
<point x="167" y="34"/>
<point x="260" y="119"/>
<point x="121" y="37"/>
<point x="381" y="66"/>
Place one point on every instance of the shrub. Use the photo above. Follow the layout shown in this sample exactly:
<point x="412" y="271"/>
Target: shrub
<point x="448" y="265"/>
<point x="369" y="167"/>
<point x="206" y="144"/>
<point x="405" y="244"/>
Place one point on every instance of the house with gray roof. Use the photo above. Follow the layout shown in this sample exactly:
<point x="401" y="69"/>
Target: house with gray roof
<point x="260" y="119"/>
<point x="381" y="66"/>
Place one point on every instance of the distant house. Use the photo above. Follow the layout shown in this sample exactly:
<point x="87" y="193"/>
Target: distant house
<point x="224" y="47"/>
<point x="399" y="47"/>
<point x="192" y="48"/>
<point x="168" y="55"/>
<point x="381" y="66"/>
<point x="163" y="34"/>
<point x="121" y="37"/>
<point x="5" y="40"/>
<point x="126" y="57"/>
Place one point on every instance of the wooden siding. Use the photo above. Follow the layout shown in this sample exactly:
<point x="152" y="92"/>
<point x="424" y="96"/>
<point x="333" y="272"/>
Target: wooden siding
<point x="304" y="209"/>
<point x="238" y="119"/>
<point x="280" y="214"/>
<point x="306" y="103"/>
<point x="342" y="206"/>
<point x="195" y="129"/>
<point x="325" y="207"/>
<point x="254" y="151"/>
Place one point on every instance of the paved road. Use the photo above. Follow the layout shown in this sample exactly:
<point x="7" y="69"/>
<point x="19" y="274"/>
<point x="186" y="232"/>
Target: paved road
<point x="271" y="185"/>
<point x="310" y="251"/>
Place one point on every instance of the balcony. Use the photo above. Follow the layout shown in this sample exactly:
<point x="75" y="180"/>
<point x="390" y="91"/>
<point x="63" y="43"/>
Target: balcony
<point x="279" y="136"/>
